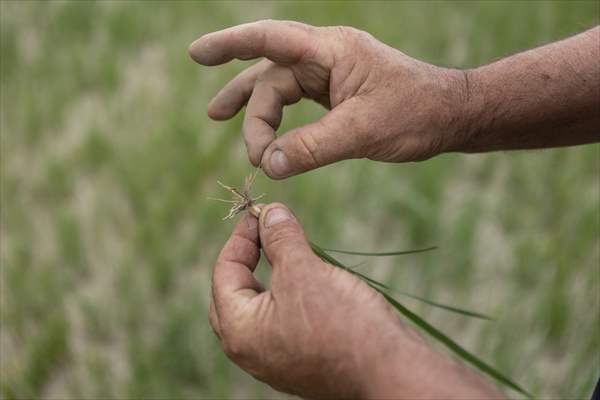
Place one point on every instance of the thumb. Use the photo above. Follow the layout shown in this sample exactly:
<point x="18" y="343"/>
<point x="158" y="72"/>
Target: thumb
<point x="282" y="237"/>
<point x="334" y="137"/>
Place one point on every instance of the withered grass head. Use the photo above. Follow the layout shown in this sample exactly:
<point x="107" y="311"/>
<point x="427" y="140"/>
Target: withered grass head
<point x="242" y="200"/>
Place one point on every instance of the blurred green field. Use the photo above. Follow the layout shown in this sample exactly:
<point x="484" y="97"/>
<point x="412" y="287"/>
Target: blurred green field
<point x="107" y="239"/>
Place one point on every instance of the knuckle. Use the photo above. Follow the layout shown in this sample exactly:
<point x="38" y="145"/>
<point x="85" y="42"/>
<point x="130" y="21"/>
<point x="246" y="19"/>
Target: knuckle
<point x="352" y="42"/>
<point x="299" y="25"/>
<point x="250" y="75"/>
<point x="263" y="76"/>
<point x="239" y="248"/>
<point x="254" y="33"/>
<point x="287" y="233"/>
<point x="309" y="145"/>
<point x="264" y="23"/>
<point x="351" y="33"/>
<point x="272" y="74"/>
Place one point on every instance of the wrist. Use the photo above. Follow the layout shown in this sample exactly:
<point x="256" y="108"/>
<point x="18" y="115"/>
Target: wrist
<point x="410" y="368"/>
<point x="466" y="111"/>
<point x="391" y="369"/>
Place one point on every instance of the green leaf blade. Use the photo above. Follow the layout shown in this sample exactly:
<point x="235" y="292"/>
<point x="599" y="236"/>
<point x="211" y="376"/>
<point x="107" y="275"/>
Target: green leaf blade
<point x="424" y="325"/>
<point x="432" y="303"/>
<point x="453" y="346"/>
<point x="381" y="254"/>
<point x="330" y="259"/>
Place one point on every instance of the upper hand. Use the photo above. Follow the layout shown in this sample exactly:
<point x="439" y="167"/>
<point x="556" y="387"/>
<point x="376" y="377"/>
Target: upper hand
<point x="319" y="331"/>
<point x="384" y="105"/>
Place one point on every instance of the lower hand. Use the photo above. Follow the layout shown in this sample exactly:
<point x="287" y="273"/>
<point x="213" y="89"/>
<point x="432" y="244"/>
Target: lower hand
<point x="319" y="331"/>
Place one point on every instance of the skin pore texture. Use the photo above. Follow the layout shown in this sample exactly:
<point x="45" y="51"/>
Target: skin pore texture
<point x="386" y="106"/>
<point x="545" y="97"/>
<point x="320" y="332"/>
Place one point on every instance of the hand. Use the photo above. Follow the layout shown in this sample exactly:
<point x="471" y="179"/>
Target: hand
<point x="384" y="105"/>
<point x="319" y="331"/>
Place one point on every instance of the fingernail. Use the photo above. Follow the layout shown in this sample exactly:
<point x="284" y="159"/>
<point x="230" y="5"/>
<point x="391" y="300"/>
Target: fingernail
<point x="276" y="215"/>
<point x="279" y="163"/>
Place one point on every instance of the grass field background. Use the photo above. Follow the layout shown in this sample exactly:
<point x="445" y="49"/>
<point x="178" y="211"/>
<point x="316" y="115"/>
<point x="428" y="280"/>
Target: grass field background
<point x="108" y="241"/>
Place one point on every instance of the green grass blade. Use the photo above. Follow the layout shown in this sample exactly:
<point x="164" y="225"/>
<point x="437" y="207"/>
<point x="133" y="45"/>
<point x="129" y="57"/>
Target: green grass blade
<point x="452" y="345"/>
<point x="424" y="325"/>
<point x="453" y="309"/>
<point x="330" y="259"/>
<point x="446" y="307"/>
<point x="326" y="257"/>
<point x="383" y="254"/>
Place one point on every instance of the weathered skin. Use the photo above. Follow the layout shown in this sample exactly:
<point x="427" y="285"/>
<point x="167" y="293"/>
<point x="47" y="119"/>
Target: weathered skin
<point x="320" y="332"/>
<point x="387" y="106"/>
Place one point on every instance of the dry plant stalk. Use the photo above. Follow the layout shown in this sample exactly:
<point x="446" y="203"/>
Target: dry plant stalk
<point x="242" y="200"/>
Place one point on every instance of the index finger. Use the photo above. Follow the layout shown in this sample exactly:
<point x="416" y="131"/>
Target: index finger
<point x="233" y="282"/>
<point x="283" y="42"/>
